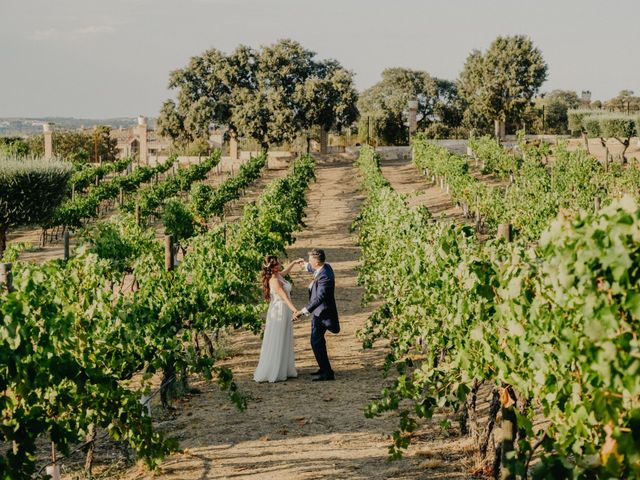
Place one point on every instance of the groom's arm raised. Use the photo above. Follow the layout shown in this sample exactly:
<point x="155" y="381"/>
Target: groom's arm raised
<point x="290" y="265"/>
<point x="307" y="266"/>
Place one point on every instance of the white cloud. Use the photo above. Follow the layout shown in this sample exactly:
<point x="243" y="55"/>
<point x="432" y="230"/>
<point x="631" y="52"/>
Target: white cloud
<point x="94" y="29"/>
<point x="47" y="34"/>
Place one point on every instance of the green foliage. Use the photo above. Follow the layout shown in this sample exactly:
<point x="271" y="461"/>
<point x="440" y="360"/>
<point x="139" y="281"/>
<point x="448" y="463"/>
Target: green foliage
<point x="74" y="211"/>
<point x="13" y="147"/>
<point x="538" y="193"/>
<point x="272" y="95"/>
<point x="557" y="104"/>
<point x="13" y="251"/>
<point x="618" y="126"/>
<point x="152" y="197"/>
<point x="86" y="175"/>
<point x="207" y="201"/>
<point x="609" y="125"/>
<point x="592" y="126"/>
<point x="499" y="84"/>
<point x="121" y="242"/>
<point x="77" y="146"/>
<point x="383" y="106"/>
<point x="177" y="219"/>
<point x="554" y="321"/>
<point x="625" y="102"/>
<point x="70" y="346"/>
<point x="30" y="192"/>
<point x="171" y="124"/>
<point x="495" y="159"/>
<point x="576" y="118"/>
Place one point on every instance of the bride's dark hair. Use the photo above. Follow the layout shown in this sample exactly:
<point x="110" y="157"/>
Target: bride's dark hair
<point x="270" y="262"/>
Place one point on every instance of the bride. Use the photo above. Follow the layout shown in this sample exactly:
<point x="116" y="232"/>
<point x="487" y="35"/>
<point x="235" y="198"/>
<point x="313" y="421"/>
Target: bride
<point x="277" y="360"/>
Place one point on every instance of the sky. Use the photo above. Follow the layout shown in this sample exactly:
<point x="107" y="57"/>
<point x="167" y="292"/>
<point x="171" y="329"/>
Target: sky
<point x="112" y="58"/>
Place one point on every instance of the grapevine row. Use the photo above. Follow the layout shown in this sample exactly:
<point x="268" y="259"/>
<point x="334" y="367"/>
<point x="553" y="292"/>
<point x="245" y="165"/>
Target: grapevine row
<point x="209" y="201"/>
<point x="551" y="328"/>
<point x="538" y="191"/>
<point x="87" y="175"/>
<point x="151" y="197"/>
<point x="70" y="345"/>
<point x="74" y="211"/>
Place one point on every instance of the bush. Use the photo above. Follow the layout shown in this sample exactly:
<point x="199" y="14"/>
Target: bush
<point x="30" y="192"/>
<point x="591" y="125"/>
<point x="77" y="146"/>
<point x="13" y="147"/>
<point x="617" y="126"/>
<point x="610" y="125"/>
<point x="575" y="118"/>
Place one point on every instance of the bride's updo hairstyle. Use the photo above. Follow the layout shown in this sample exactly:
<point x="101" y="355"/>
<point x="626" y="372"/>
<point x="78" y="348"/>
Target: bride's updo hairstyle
<point x="270" y="262"/>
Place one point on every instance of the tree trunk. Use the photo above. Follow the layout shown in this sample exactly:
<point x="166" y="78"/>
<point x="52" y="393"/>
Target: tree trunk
<point x="586" y="142"/>
<point x="625" y="143"/>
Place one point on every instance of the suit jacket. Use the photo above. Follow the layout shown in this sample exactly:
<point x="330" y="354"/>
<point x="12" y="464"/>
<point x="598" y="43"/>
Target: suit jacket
<point x="322" y="300"/>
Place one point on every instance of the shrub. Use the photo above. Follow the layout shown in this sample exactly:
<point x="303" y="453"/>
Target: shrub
<point x="13" y="147"/>
<point x="575" y="118"/>
<point x="437" y="131"/>
<point x="591" y="125"/>
<point x="30" y="192"/>
<point x="617" y="126"/>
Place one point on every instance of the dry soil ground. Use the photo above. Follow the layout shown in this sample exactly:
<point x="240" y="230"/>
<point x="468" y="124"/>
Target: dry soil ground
<point x="300" y="429"/>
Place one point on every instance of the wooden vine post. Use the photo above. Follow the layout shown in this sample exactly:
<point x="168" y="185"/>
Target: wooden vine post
<point x="168" y="253"/>
<point x="138" y="218"/>
<point x="6" y="277"/>
<point x="505" y="230"/>
<point x="596" y="203"/>
<point x="66" y="244"/>
<point x="507" y="404"/>
<point x="167" y="388"/>
<point x="509" y="429"/>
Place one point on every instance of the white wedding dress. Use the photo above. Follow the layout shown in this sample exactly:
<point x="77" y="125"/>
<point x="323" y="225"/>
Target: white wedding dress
<point x="277" y="361"/>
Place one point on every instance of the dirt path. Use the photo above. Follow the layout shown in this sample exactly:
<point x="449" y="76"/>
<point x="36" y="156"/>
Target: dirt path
<point x="407" y="179"/>
<point x="299" y="429"/>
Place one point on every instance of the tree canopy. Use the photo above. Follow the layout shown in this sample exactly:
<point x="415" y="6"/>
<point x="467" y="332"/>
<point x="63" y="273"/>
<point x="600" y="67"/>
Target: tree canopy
<point x="77" y="146"/>
<point x="272" y="95"/>
<point x="625" y="101"/>
<point x="383" y="105"/>
<point x="556" y="104"/>
<point x="499" y="84"/>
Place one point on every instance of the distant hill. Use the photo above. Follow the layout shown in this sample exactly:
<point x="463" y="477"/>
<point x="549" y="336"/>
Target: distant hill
<point x="21" y="127"/>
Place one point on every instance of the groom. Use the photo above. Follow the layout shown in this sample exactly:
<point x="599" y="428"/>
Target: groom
<point x="322" y="307"/>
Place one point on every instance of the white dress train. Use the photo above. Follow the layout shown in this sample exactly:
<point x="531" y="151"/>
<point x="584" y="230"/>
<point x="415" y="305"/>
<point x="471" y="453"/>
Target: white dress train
<point x="277" y="361"/>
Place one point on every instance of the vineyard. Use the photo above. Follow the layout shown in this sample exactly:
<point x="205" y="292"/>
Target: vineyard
<point x="498" y="335"/>
<point x="185" y="206"/>
<point x="546" y="322"/>
<point x="73" y="339"/>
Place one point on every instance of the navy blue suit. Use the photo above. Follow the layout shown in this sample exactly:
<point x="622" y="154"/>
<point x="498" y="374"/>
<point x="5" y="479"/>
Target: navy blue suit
<point x="322" y="307"/>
